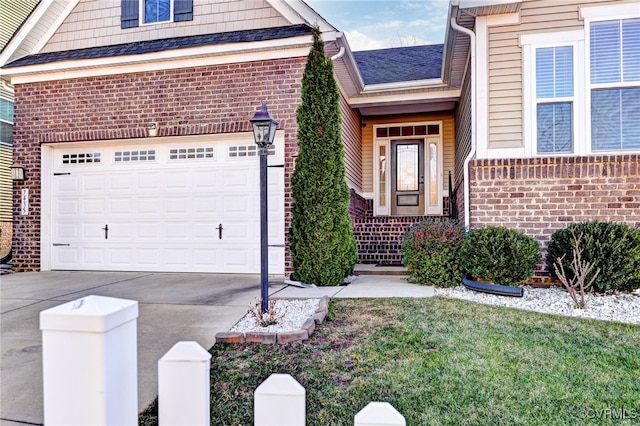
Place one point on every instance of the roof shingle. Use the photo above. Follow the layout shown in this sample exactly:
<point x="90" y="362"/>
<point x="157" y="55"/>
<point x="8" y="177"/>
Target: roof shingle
<point x="400" y="64"/>
<point x="161" y="45"/>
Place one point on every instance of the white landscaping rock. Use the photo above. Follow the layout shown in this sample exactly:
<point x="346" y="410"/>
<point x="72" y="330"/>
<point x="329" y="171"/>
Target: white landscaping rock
<point x="555" y="300"/>
<point x="296" y="312"/>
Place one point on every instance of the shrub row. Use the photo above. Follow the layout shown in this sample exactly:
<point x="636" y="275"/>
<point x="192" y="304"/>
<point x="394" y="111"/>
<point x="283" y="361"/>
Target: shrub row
<point x="439" y="252"/>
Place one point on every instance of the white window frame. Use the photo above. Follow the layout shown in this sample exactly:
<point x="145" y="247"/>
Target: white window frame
<point x="580" y="40"/>
<point x="143" y="16"/>
<point x="530" y="43"/>
<point x="6" y="121"/>
<point x="379" y="210"/>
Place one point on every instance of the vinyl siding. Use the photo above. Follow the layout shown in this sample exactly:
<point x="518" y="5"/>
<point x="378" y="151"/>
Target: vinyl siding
<point x="448" y="142"/>
<point x="351" y="137"/>
<point x="6" y="186"/>
<point x="12" y="17"/>
<point x="97" y="23"/>
<point x="505" y="62"/>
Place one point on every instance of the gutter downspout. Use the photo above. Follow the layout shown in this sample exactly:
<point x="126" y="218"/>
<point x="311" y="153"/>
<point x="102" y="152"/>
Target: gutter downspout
<point x="339" y="54"/>
<point x="467" y="160"/>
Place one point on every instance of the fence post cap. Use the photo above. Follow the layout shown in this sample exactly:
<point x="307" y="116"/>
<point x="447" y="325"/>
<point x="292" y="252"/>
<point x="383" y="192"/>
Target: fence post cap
<point x="89" y="314"/>
<point x="379" y="413"/>
<point x="280" y="384"/>
<point x="187" y="352"/>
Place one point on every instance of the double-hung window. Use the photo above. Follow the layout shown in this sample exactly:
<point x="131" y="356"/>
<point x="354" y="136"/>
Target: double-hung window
<point x="582" y="87"/>
<point x="157" y="11"/>
<point x="554" y="99"/>
<point x="614" y="49"/>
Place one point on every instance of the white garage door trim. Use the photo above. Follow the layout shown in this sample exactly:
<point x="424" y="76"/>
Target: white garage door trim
<point x="199" y="158"/>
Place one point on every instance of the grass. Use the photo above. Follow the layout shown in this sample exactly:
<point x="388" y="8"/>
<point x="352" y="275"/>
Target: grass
<point x="442" y="362"/>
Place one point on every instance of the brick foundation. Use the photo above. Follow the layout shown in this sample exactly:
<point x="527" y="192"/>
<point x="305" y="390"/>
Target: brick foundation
<point x="537" y="196"/>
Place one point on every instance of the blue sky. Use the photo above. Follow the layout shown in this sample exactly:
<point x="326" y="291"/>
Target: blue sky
<point x="378" y="24"/>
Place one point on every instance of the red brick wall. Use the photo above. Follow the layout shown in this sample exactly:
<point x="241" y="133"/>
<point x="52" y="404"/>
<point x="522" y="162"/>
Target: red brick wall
<point x="540" y="195"/>
<point x="188" y="101"/>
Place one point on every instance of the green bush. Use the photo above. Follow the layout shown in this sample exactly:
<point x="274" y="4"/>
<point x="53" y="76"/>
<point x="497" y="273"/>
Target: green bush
<point x="431" y="252"/>
<point x="500" y="255"/>
<point x="614" y="248"/>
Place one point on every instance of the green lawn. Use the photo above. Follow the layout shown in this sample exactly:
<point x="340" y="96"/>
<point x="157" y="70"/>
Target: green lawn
<point x="442" y="362"/>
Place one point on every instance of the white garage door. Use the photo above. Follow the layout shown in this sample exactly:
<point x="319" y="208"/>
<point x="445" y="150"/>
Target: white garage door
<point x="173" y="207"/>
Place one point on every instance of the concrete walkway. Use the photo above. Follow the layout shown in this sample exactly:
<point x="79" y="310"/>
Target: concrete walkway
<point x="172" y="308"/>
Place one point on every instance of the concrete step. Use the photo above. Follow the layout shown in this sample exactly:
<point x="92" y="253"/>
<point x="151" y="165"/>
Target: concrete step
<point x="372" y="269"/>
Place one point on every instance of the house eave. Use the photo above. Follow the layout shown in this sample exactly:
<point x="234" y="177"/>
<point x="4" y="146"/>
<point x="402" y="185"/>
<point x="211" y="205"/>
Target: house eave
<point x="403" y="85"/>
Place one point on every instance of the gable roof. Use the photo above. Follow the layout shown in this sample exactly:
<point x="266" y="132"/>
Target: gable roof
<point x="161" y="45"/>
<point x="400" y="64"/>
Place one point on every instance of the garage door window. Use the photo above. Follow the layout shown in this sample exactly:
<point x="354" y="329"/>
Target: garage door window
<point x="247" y="151"/>
<point x="81" y="158"/>
<point x="196" y="153"/>
<point x="132" y="156"/>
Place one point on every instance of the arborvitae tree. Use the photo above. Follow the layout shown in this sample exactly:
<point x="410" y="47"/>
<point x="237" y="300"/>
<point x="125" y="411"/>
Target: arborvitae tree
<point x="321" y="241"/>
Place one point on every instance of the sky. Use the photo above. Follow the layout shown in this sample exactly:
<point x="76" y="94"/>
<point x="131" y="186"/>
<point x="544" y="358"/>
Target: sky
<point x="379" y="24"/>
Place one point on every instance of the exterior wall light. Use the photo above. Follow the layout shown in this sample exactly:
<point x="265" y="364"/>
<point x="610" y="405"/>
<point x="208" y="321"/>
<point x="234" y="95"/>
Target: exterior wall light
<point x="17" y="173"/>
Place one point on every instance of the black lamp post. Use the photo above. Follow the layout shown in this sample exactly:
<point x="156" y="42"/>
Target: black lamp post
<point x="264" y="131"/>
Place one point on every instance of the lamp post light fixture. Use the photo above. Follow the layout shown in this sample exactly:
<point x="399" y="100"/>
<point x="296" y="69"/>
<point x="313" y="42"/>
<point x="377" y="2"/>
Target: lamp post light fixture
<point x="264" y="131"/>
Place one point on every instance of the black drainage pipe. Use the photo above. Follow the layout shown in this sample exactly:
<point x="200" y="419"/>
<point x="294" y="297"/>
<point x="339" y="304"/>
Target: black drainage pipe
<point x="497" y="289"/>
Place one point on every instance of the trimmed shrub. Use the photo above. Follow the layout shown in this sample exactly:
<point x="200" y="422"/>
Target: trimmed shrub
<point x="431" y="252"/>
<point x="614" y="248"/>
<point x="499" y="255"/>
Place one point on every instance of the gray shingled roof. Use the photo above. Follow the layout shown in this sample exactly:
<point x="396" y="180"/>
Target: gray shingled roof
<point x="163" y="44"/>
<point x="400" y="64"/>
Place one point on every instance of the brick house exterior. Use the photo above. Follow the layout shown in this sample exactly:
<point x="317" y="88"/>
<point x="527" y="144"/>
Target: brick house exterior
<point x="105" y="108"/>
<point x="465" y="112"/>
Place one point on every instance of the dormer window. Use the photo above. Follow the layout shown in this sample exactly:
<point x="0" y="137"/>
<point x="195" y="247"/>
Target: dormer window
<point x="154" y="11"/>
<point x="157" y="11"/>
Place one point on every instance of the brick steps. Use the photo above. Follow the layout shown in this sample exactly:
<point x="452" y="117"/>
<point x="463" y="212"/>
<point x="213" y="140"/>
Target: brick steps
<point x="371" y="269"/>
<point x="380" y="238"/>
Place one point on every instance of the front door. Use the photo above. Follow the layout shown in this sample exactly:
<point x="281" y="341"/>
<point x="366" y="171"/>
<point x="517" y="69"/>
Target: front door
<point x="407" y="177"/>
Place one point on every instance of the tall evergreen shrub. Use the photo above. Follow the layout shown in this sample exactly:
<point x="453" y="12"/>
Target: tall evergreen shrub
<point x="321" y="241"/>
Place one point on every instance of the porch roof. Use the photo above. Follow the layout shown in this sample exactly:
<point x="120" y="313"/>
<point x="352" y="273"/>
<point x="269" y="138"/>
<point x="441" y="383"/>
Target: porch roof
<point x="400" y="64"/>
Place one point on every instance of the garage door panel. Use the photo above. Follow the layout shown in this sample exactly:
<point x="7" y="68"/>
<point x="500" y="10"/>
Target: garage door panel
<point x="92" y="183"/>
<point x="206" y="205"/>
<point x="148" y="231"/>
<point x="149" y="207"/>
<point x="93" y="257"/>
<point x="119" y="182"/>
<point x="177" y="205"/>
<point x="64" y="208"/>
<point x="176" y="180"/>
<point x="92" y="207"/>
<point x="176" y="231"/>
<point x="149" y="180"/>
<point x="148" y="257"/>
<point x="119" y="206"/>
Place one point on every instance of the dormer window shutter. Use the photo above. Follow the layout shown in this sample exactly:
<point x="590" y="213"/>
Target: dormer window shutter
<point x="129" y="13"/>
<point x="182" y="10"/>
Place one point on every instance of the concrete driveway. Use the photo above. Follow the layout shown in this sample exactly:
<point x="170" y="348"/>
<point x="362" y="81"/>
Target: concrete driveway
<point x="172" y="308"/>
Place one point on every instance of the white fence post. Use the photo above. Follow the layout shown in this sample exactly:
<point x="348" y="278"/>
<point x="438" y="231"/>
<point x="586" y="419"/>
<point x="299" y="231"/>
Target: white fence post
<point x="90" y="365"/>
<point x="379" y="414"/>
<point x="183" y="385"/>
<point x="280" y="401"/>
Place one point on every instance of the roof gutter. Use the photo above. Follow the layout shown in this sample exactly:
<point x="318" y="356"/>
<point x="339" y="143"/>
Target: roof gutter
<point x="472" y="152"/>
